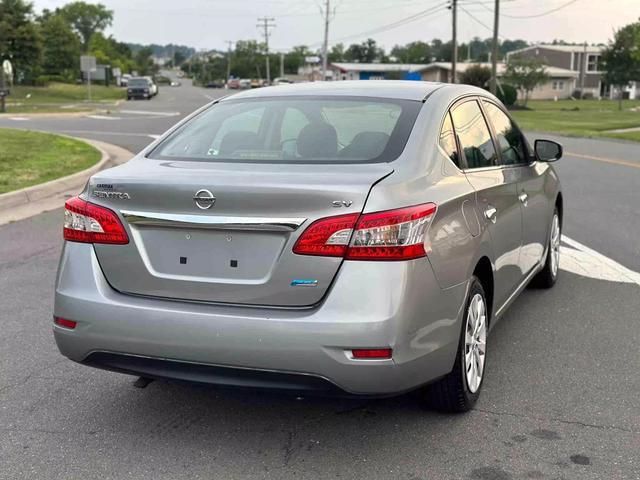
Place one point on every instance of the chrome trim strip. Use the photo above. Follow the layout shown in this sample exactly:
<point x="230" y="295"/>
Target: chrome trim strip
<point x="152" y="219"/>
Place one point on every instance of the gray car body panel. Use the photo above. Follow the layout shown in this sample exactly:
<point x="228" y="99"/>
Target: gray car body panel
<point x="414" y="306"/>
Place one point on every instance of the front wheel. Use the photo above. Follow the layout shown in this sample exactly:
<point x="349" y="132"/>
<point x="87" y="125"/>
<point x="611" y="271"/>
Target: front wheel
<point x="548" y="276"/>
<point x="460" y="389"/>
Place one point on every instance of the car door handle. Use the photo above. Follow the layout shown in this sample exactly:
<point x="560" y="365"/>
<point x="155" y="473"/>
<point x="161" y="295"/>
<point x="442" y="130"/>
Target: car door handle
<point x="490" y="214"/>
<point x="523" y="198"/>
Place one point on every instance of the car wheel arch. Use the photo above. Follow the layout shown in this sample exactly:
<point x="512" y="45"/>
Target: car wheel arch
<point x="484" y="272"/>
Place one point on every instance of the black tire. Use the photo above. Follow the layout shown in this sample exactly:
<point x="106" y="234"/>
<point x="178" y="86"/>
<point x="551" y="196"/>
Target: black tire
<point x="451" y="394"/>
<point x="548" y="276"/>
<point x="128" y="99"/>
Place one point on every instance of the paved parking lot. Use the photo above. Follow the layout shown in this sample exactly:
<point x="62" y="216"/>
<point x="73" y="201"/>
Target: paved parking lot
<point x="561" y="398"/>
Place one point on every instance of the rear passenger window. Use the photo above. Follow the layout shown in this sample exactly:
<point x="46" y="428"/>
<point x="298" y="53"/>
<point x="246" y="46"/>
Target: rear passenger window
<point x="510" y="140"/>
<point x="448" y="140"/>
<point x="473" y="134"/>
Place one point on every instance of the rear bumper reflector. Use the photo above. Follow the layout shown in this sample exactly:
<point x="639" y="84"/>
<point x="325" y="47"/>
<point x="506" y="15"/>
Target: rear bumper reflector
<point x="63" y="322"/>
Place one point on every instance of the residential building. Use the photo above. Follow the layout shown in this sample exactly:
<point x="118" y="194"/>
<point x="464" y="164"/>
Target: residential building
<point x="584" y="60"/>
<point x="561" y="83"/>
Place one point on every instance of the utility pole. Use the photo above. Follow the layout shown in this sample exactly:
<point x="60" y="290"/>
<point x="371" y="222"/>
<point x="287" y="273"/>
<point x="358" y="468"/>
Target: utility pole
<point x="325" y="43"/>
<point x="454" y="40"/>
<point x="229" y="43"/>
<point x="281" y="64"/>
<point x="267" y="23"/>
<point x="494" y="49"/>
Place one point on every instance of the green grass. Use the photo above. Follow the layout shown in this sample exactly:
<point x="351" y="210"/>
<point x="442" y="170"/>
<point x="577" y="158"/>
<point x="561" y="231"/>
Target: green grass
<point x="581" y="118"/>
<point x="29" y="158"/>
<point x="60" y="97"/>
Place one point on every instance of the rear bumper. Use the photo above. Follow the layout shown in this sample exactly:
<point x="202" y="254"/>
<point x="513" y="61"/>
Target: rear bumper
<point x="371" y="304"/>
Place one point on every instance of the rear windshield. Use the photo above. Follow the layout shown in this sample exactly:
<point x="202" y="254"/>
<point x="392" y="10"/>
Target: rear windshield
<point x="295" y="130"/>
<point x="138" y="82"/>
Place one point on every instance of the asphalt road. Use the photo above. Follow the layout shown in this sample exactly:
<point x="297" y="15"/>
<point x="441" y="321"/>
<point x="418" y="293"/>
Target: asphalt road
<point x="561" y="398"/>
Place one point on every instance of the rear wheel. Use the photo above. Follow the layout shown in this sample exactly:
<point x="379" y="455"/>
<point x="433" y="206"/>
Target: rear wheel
<point x="548" y="276"/>
<point x="460" y="389"/>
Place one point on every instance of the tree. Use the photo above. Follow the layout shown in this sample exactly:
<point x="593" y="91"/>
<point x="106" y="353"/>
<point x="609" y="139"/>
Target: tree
<point x="108" y="51"/>
<point x="365" y="52"/>
<point x="476" y="75"/>
<point x="337" y="53"/>
<point x="525" y="75"/>
<point x="143" y="61"/>
<point x="61" y="47"/>
<point x="414" y="52"/>
<point x="622" y="58"/>
<point x="20" y="40"/>
<point x="86" y="19"/>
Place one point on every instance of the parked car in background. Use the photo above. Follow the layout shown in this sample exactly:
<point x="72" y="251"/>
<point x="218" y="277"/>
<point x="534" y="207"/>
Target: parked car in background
<point x="258" y="82"/>
<point x="215" y="84"/>
<point x="244" y="83"/>
<point x="140" y="87"/>
<point x="233" y="84"/>
<point x="175" y="84"/>
<point x="341" y="237"/>
<point x="154" y="86"/>
<point x="124" y="79"/>
<point x="282" y="81"/>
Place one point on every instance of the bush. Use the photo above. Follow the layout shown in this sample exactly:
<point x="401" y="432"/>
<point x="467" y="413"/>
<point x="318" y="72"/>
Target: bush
<point x="476" y="75"/>
<point x="44" y="80"/>
<point x="507" y="94"/>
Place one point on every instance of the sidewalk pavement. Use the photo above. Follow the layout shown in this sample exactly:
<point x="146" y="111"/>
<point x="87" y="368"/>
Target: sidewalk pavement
<point x="30" y="201"/>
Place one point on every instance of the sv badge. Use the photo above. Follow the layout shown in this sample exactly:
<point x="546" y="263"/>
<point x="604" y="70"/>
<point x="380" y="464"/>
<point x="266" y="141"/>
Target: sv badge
<point x="342" y="203"/>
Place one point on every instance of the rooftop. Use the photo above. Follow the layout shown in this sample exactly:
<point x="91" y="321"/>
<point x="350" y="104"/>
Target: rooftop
<point x="562" y="48"/>
<point x="461" y="67"/>
<point x="378" y="67"/>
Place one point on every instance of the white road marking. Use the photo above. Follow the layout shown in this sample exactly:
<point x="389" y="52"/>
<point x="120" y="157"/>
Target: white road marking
<point x="103" y="117"/>
<point x="100" y="132"/>
<point x="18" y="119"/>
<point x="586" y="262"/>
<point x="150" y="113"/>
<point x="154" y="136"/>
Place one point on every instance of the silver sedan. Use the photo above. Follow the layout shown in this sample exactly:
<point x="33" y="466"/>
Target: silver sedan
<point x="338" y="237"/>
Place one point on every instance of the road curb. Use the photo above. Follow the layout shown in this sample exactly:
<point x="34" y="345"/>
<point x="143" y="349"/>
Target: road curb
<point x="50" y="195"/>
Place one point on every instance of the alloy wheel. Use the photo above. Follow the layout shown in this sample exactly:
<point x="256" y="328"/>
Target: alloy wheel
<point x="475" y="342"/>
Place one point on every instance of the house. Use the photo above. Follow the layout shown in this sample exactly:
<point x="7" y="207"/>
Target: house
<point x="583" y="60"/>
<point x="561" y="83"/>
<point x="376" y="71"/>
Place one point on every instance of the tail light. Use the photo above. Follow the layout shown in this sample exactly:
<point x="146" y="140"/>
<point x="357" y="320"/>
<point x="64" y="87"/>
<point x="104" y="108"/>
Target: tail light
<point x="89" y="223"/>
<point x="390" y="235"/>
<point x="328" y="237"/>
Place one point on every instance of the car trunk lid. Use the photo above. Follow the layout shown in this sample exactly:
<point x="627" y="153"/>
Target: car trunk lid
<point x="235" y="249"/>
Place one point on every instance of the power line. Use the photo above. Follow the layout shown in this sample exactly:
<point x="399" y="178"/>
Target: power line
<point x="383" y="28"/>
<point x="543" y="13"/>
<point x="476" y="19"/>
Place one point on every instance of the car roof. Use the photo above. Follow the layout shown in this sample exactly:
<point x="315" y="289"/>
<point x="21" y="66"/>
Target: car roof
<point x="398" y="89"/>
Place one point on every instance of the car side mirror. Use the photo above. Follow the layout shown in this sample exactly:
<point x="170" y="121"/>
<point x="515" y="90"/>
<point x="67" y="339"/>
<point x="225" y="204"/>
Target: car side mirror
<point x="547" y="150"/>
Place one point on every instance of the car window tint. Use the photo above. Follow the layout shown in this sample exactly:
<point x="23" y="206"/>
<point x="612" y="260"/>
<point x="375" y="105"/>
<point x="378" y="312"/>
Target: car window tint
<point x="448" y="140"/>
<point x="510" y="140"/>
<point x="295" y="129"/>
<point x="473" y="134"/>
<point x="293" y="121"/>
<point x="351" y="118"/>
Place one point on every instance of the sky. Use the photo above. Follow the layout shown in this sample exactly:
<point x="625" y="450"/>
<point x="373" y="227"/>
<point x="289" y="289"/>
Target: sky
<point x="208" y="24"/>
